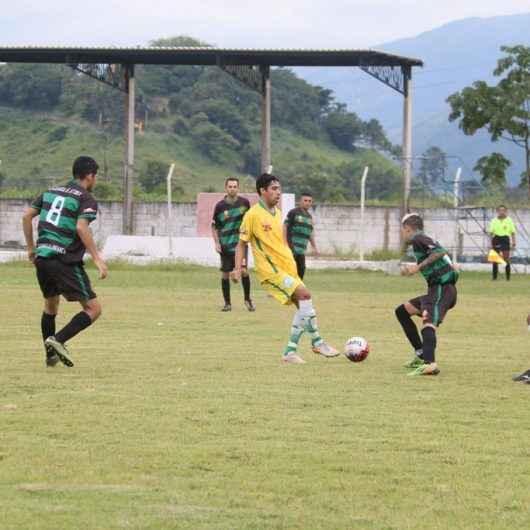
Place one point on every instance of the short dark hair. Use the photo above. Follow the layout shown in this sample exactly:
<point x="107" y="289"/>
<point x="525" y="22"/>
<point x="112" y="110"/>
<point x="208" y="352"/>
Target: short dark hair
<point x="306" y="194"/>
<point x="264" y="181"/>
<point x="413" y="220"/>
<point x="501" y="206"/>
<point x="83" y="166"/>
<point x="228" y="179"/>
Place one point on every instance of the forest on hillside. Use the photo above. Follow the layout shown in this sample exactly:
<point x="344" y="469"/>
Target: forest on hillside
<point x="214" y="113"/>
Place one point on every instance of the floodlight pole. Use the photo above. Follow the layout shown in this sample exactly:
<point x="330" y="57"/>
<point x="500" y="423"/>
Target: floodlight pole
<point x="407" y="136"/>
<point x="361" y="229"/>
<point x="128" y="177"/>
<point x="456" y="198"/>
<point x="170" y="210"/>
<point x="265" y="118"/>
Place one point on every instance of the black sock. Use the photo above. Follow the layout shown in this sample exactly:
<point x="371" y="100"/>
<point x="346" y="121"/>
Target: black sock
<point x="225" y="285"/>
<point x="508" y="271"/>
<point x="429" y="343"/>
<point x="47" y="325"/>
<point x="410" y="329"/>
<point x="495" y="270"/>
<point x="78" y="323"/>
<point x="245" y="280"/>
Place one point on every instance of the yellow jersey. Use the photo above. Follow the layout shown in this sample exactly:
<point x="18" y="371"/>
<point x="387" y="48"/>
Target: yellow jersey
<point x="502" y="227"/>
<point x="264" y="231"/>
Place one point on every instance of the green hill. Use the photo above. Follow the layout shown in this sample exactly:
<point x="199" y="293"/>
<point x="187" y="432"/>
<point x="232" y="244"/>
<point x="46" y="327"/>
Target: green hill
<point x="200" y="118"/>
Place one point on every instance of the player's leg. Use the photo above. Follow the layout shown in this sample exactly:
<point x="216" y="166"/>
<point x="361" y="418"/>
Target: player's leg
<point x="506" y="257"/>
<point x="308" y="317"/>
<point x="404" y="314"/>
<point x="439" y="300"/>
<point x="300" y="265"/>
<point x="47" y="325"/>
<point x="46" y="276"/>
<point x="227" y="266"/>
<point x="75" y="286"/>
<point x="245" y="282"/>
<point x="525" y="376"/>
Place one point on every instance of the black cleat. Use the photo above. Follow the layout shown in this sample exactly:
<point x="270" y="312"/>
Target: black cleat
<point x="60" y="350"/>
<point x="51" y="357"/>
<point x="523" y="378"/>
<point x="226" y="308"/>
<point x="250" y="306"/>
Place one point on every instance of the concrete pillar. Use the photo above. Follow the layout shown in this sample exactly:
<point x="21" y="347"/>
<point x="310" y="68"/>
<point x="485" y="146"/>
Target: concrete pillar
<point x="128" y="178"/>
<point x="265" y="119"/>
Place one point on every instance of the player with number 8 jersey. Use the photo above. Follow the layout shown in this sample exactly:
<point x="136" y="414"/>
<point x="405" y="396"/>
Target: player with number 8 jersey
<point x="65" y="213"/>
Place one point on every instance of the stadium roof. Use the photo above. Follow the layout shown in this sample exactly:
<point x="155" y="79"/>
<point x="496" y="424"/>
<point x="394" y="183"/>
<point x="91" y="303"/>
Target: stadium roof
<point x="203" y="56"/>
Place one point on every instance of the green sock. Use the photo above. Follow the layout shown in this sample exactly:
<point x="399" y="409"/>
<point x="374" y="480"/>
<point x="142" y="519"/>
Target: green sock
<point x="297" y="330"/>
<point x="310" y="320"/>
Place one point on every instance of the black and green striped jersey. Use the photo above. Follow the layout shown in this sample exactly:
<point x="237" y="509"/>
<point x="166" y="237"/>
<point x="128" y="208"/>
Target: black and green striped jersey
<point x="299" y="229"/>
<point x="59" y="209"/>
<point x="227" y="218"/>
<point x="440" y="272"/>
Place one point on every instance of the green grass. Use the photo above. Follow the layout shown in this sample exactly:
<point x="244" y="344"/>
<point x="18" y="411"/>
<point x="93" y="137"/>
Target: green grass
<point x="177" y="416"/>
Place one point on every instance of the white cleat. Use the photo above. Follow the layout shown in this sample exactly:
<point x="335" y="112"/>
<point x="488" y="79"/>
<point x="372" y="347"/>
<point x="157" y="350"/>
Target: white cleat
<point x="292" y="358"/>
<point x="325" y="350"/>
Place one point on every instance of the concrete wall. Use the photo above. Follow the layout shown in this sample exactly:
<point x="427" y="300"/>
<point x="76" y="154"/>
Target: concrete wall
<point x="337" y="226"/>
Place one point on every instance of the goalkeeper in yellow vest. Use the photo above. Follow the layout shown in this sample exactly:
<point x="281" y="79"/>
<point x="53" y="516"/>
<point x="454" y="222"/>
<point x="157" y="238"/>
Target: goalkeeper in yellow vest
<point x="502" y="229"/>
<point x="276" y="267"/>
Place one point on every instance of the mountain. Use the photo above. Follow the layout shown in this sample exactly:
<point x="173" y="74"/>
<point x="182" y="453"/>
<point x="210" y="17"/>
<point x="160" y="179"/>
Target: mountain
<point x="455" y="55"/>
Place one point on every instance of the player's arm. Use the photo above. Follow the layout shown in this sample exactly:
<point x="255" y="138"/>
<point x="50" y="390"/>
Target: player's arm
<point x="241" y="252"/>
<point x="429" y="247"/>
<point x="86" y="237"/>
<point x="314" y="243"/>
<point x="215" y="236"/>
<point x="27" y="227"/>
<point x="285" y="228"/>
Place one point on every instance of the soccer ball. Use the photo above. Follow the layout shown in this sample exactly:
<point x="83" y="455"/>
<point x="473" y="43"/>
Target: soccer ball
<point x="357" y="349"/>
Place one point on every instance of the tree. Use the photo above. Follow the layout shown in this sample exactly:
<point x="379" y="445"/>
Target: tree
<point x="153" y="175"/>
<point x="433" y="166"/>
<point x="344" y="129"/>
<point x="493" y="169"/>
<point x="504" y="109"/>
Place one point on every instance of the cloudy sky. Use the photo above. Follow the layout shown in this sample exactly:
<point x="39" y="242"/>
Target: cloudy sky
<point x="237" y="23"/>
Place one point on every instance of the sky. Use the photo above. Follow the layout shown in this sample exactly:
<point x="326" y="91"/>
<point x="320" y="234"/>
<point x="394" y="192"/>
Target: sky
<point x="237" y="23"/>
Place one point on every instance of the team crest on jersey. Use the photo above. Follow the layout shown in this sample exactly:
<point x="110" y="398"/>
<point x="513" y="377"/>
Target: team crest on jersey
<point x="288" y="281"/>
<point x="266" y="226"/>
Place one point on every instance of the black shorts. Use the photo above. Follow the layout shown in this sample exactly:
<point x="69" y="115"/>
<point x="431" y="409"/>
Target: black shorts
<point x="436" y="303"/>
<point x="228" y="262"/>
<point x="300" y="264"/>
<point x="56" y="277"/>
<point x="501" y="243"/>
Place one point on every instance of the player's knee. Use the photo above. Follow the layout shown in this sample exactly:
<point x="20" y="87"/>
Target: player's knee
<point x="226" y="275"/>
<point x="93" y="309"/>
<point x="302" y="294"/>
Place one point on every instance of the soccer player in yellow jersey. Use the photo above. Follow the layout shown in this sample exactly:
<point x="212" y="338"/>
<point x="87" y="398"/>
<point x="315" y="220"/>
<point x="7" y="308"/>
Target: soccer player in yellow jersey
<point x="276" y="268"/>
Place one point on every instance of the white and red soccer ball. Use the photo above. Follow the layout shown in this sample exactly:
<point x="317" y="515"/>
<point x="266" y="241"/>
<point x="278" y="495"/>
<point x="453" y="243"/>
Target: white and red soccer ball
<point x="356" y="349"/>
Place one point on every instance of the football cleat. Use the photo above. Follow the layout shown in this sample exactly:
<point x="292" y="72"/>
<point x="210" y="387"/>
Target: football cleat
<point x="425" y="369"/>
<point x="292" y="358"/>
<point x="59" y="349"/>
<point x="226" y="308"/>
<point x="325" y="350"/>
<point x="250" y="305"/>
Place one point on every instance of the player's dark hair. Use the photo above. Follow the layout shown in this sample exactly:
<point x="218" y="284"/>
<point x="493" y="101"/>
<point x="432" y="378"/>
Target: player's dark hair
<point x="306" y="194"/>
<point x="83" y="166"/>
<point x="231" y="179"/>
<point x="501" y="206"/>
<point x="264" y="181"/>
<point x="414" y="221"/>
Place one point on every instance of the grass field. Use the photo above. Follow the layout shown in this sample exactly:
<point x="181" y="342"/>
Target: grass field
<point x="177" y="416"/>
